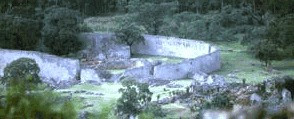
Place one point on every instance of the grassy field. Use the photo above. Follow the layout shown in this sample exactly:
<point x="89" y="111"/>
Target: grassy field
<point x="109" y="95"/>
<point x="237" y="62"/>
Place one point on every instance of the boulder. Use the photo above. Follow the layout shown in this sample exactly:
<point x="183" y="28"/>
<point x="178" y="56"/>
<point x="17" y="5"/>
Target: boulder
<point x="211" y="114"/>
<point x="215" y="80"/>
<point x="255" y="99"/>
<point x="286" y="95"/>
<point x="90" y="76"/>
<point x="200" y="76"/>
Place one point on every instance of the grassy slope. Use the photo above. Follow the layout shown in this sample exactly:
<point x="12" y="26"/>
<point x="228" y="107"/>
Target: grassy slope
<point x="235" y="59"/>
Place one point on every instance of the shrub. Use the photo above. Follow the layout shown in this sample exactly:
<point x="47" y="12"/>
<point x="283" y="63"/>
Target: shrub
<point x="20" y="69"/>
<point x="220" y="101"/>
<point x="36" y="103"/>
<point x="19" y="33"/>
<point x="106" y="110"/>
<point x="135" y="97"/>
<point x="61" y="30"/>
<point x="154" y="109"/>
<point x="130" y="33"/>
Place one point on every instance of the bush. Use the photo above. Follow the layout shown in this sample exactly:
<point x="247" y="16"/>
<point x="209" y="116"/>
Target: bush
<point x="19" y="33"/>
<point x="135" y="97"/>
<point x="130" y="33"/>
<point x="61" y="30"/>
<point x="220" y="101"/>
<point x="35" y="103"/>
<point x="154" y="109"/>
<point x="20" y="69"/>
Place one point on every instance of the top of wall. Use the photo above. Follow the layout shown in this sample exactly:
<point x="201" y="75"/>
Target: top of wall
<point x="172" y="46"/>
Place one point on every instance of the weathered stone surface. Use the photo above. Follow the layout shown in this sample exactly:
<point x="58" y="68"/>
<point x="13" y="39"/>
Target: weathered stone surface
<point x="255" y="99"/>
<point x="57" y="71"/>
<point x="83" y="115"/>
<point x="213" y="80"/>
<point x="90" y="76"/>
<point x="286" y="95"/>
<point x="199" y="76"/>
<point x="210" y="114"/>
<point x="171" y="46"/>
<point x="201" y="56"/>
<point x="140" y="72"/>
<point x="104" y="47"/>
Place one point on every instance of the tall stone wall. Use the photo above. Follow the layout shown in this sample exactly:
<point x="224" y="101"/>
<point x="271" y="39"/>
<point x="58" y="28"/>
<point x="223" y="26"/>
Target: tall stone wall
<point x="104" y="47"/>
<point x="171" y="46"/>
<point x="54" y="70"/>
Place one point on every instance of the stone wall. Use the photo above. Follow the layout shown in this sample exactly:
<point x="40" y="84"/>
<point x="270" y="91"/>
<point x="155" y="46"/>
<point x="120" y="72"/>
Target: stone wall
<point x="171" y="46"/>
<point x="53" y="70"/>
<point x="206" y="63"/>
<point x="103" y="47"/>
<point x="200" y="56"/>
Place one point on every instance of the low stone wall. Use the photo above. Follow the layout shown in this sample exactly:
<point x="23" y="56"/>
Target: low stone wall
<point x="206" y="63"/>
<point x="53" y="70"/>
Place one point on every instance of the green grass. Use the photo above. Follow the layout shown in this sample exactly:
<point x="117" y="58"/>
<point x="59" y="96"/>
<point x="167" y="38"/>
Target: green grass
<point x="235" y="59"/>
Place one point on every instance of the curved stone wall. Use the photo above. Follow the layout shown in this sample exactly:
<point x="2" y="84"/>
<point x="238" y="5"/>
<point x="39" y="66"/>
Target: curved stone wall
<point x="200" y="56"/>
<point x="171" y="46"/>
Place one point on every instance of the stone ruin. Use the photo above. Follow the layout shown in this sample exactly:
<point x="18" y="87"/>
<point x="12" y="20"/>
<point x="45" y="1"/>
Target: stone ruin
<point x="103" y="53"/>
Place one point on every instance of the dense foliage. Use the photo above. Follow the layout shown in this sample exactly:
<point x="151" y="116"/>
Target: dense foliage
<point x="25" y="98"/>
<point x="19" y="33"/>
<point x="61" y="30"/>
<point x="135" y="97"/>
<point x="20" y="69"/>
<point x="130" y="33"/>
<point x="277" y="41"/>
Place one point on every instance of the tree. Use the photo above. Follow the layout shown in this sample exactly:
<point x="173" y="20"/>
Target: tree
<point x="281" y="33"/>
<point x="19" y="33"/>
<point x="151" y="15"/>
<point x="25" y="98"/>
<point x="266" y="52"/>
<point x="34" y="102"/>
<point x="135" y="97"/>
<point x="22" y="68"/>
<point x="24" y="8"/>
<point x="61" y="30"/>
<point x="130" y="33"/>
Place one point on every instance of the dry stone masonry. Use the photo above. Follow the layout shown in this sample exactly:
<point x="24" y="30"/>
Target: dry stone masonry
<point x="54" y="70"/>
<point x="105" y="52"/>
<point x="198" y="56"/>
